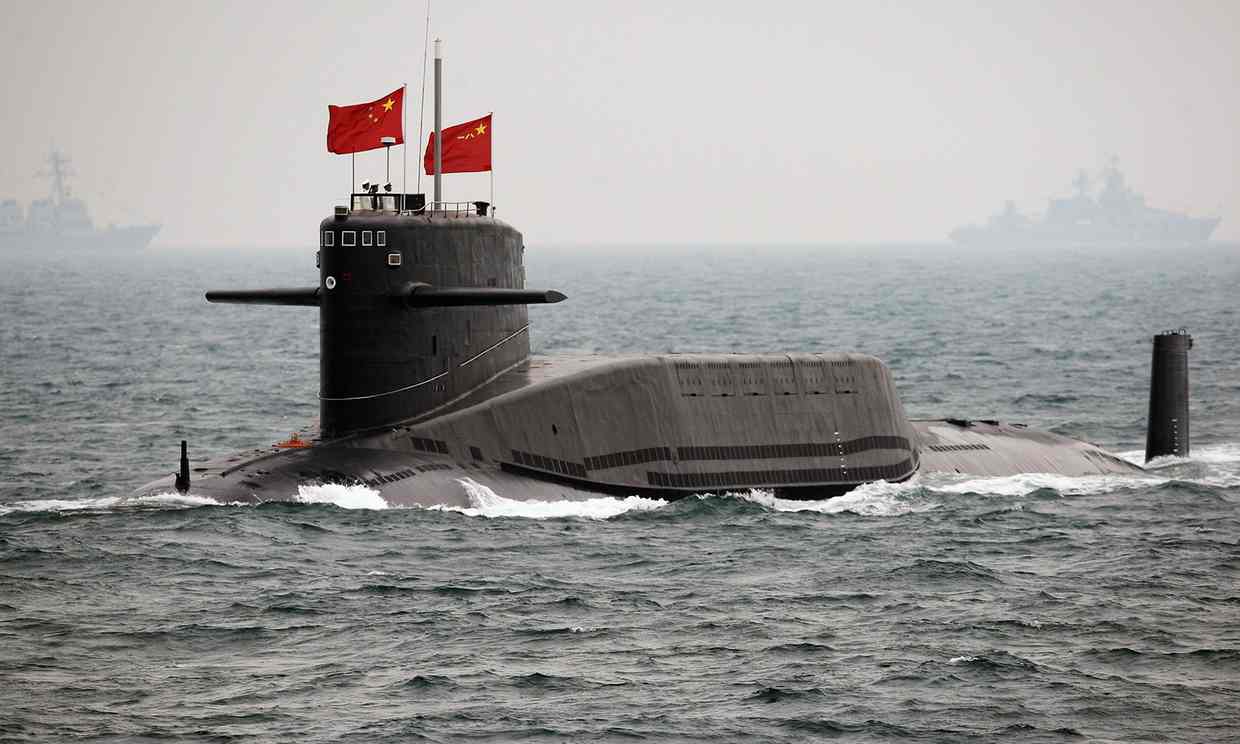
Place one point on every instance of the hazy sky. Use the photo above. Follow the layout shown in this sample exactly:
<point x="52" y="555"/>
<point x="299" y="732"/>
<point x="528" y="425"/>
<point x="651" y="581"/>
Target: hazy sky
<point x="632" y="122"/>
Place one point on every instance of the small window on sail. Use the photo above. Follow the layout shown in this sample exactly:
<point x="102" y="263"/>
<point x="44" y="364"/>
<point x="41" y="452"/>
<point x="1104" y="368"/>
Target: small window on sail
<point x="348" y="238"/>
<point x="329" y="238"/>
<point x="367" y="238"/>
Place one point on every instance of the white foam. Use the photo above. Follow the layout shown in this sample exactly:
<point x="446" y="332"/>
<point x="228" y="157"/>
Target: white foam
<point x="1217" y="454"/>
<point x="877" y="499"/>
<point x="1219" y="480"/>
<point x="961" y="659"/>
<point x="1218" y="465"/>
<point x="1026" y="483"/>
<point x="107" y="503"/>
<point x="1211" y="454"/>
<point x="345" y="497"/>
<point x="484" y="502"/>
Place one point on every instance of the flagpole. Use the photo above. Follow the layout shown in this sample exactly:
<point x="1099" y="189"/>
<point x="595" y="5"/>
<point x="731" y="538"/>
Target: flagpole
<point x="438" y="120"/>
<point x="404" y="147"/>
<point x="352" y="177"/>
<point x="492" y="164"/>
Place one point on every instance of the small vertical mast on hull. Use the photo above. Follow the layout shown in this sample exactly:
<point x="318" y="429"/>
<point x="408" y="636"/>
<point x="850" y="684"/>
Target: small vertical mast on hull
<point x="1167" y="429"/>
<point x="438" y="119"/>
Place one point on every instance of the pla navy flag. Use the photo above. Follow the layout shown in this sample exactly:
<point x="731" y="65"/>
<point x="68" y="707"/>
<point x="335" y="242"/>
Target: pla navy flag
<point x="363" y="126"/>
<point x="466" y="148"/>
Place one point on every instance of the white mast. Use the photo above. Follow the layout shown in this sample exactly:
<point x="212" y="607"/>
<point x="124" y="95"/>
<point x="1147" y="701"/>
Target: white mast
<point x="438" y="119"/>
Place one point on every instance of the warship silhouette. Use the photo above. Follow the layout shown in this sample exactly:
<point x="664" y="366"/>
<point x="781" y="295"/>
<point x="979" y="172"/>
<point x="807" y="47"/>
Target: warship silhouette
<point x="62" y="221"/>
<point x="428" y="390"/>
<point x="1117" y="215"/>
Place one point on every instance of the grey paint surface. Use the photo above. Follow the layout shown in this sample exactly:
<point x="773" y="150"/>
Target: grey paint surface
<point x="760" y="416"/>
<point x="425" y="403"/>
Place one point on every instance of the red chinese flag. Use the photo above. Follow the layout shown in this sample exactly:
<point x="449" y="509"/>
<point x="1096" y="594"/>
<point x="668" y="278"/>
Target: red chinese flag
<point x="363" y="126"/>
<point x="466" y="148"/>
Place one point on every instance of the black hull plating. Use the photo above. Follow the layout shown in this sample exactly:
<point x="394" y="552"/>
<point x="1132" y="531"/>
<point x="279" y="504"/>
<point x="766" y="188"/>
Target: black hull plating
<point x="429" y="396"/>
<point x="576" y="428"/>
<point x="383" y="361"/>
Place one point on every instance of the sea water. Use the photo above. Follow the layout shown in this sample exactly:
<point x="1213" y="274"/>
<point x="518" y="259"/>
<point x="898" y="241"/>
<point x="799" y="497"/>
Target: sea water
<point x="948" y="608"/>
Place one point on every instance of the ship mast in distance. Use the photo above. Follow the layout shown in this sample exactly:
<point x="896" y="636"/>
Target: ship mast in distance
<point x="59" y="174"/>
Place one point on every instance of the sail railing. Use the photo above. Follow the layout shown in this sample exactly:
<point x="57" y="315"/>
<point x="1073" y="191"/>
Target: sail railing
<point x="416" y="204"/>
<point x="455" y="209"/>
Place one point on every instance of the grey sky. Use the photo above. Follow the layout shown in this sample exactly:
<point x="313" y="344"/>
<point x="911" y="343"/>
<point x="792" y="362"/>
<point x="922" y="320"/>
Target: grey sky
<point x="633" y="122"/>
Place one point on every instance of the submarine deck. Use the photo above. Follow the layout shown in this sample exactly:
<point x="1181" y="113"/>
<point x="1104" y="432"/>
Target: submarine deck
<point x="993" y="448"/>
<point x="667" y="438"/>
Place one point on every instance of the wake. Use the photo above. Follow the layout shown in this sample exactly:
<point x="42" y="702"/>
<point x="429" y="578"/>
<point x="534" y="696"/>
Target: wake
<point x="1216" y="466"/>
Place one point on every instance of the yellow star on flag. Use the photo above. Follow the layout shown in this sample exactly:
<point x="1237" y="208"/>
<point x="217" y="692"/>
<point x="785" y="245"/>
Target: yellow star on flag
<point x="482" y="129"/>
<point x="387" y="105"/>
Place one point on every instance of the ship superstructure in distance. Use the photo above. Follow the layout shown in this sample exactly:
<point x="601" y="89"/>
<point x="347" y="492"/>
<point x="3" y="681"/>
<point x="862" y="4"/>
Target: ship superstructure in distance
<point x="61" y="221"/>
<point x="1114" y="215"/>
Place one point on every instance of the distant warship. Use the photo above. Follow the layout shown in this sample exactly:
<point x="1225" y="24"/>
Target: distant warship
<point x="1116" y="216"/>
<point x="62" y="222"/>
<point x="428" y="392"/>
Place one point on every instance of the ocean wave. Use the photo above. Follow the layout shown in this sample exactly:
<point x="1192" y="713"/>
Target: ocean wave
<point x="783" y="694"/>
<point x="994" y="660"/>
<point x="1213" y="466"/>
<point x="345" y="497"/>
<point x="1226" y="453"/>
<point x="929" y="570"/>
<point x="109" y="503"/>
<point x="484" y="502"/>
<point x="1027" y="483"/>
<point x="872" y="499"/>
<point x="877" y="499"/>
<point x="1216" y="465"/>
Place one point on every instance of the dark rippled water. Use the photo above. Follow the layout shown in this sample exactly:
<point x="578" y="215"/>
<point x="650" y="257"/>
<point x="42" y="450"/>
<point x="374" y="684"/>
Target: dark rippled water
<point x="1034" y="608"/>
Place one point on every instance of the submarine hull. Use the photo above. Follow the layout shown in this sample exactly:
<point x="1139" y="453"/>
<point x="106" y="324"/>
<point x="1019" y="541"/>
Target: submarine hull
<point x="666" y="426"/>
<point x="429" y="396"/>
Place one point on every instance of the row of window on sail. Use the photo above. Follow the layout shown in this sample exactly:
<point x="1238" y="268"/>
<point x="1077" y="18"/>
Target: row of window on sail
<point x="348" y="238"/>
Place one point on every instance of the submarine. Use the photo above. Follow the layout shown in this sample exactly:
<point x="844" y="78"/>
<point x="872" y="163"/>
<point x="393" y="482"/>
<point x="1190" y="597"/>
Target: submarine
<point x="428" y="390"/>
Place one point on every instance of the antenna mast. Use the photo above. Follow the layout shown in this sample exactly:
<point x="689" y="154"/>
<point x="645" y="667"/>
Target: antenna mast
<point x="438" y="119"/>
<point x="59" y="173"/>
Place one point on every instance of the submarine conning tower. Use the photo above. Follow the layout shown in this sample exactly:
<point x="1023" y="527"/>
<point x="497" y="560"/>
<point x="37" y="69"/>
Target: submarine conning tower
<point x="383" y="358"/>
<point x="416" y="309"/>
